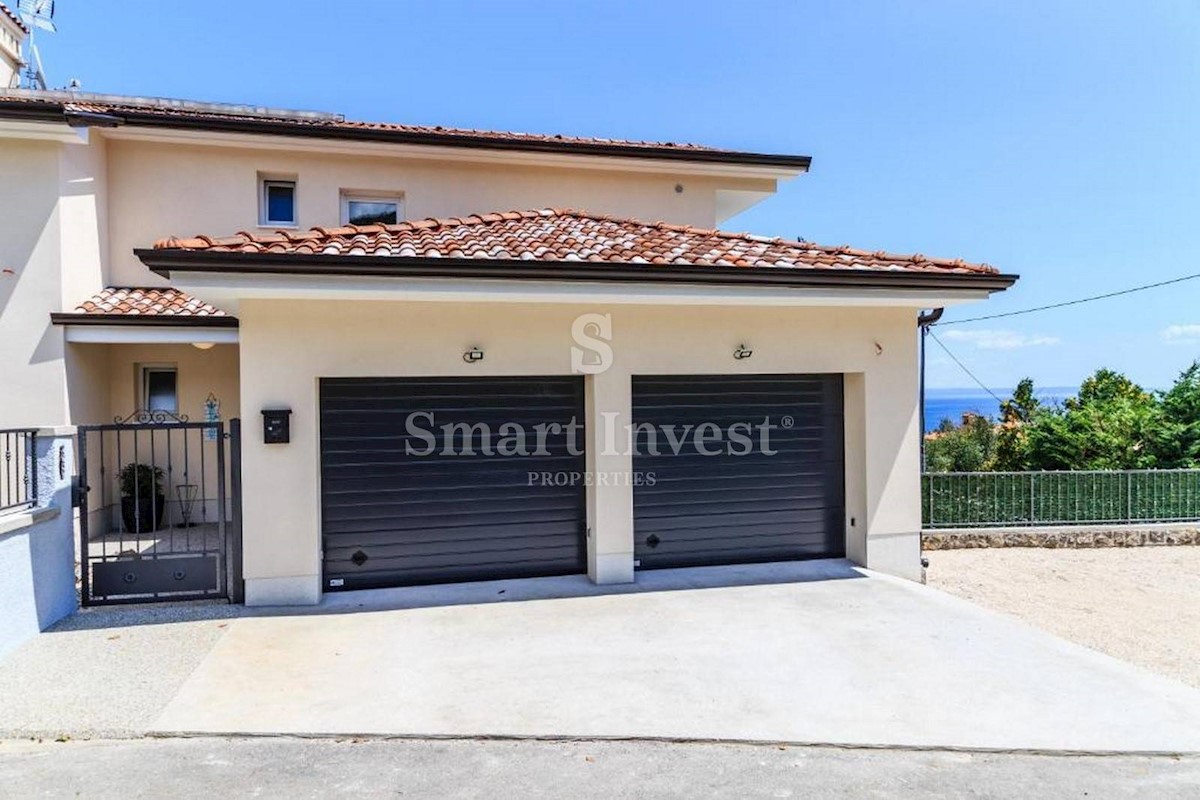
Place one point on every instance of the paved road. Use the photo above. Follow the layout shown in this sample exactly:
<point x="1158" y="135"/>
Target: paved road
<point x="298" y="768"/>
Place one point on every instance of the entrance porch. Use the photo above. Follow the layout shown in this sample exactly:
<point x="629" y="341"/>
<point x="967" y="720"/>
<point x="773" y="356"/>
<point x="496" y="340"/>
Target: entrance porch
<point x="153" y="404"/>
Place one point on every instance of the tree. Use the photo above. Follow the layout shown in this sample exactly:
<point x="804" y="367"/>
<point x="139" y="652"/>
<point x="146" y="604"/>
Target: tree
<point x="969" y="447"/>
<point x="1112" y="424"/>
<point x="1177" y="443"/>
<point x="1012" y="439"/>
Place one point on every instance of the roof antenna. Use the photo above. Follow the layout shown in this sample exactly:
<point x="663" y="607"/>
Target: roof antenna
<point x="35" y="14"/>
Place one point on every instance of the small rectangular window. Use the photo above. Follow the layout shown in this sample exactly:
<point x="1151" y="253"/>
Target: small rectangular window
<point x="367" y="210"/>
<point x="160" y="389"/>
<point x="278" y="202"/>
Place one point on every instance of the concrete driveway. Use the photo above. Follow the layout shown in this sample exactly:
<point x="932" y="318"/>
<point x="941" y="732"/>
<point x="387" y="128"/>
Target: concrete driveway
<point x="819" y="652"/>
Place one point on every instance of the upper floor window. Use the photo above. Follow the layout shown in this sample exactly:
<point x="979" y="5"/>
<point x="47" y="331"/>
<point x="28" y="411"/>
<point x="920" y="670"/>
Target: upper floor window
<point x="278" y="202"/>
<point x="368" y="209"/>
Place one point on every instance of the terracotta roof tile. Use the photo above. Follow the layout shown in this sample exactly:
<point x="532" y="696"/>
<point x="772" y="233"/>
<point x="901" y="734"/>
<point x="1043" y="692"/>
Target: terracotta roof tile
<point x="165" y="111"/>
<point x="6" y="11"/>
<point x="154" y="302"/>
<point x="337" y="122"/>
<point x="567" y="235"/>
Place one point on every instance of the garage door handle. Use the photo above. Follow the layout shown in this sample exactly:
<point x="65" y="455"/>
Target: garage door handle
<point x="653" y="540"/>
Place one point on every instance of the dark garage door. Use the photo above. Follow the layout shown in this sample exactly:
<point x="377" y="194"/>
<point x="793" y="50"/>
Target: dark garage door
<point x="392" y="516"/>
<point x="726" y="508"/>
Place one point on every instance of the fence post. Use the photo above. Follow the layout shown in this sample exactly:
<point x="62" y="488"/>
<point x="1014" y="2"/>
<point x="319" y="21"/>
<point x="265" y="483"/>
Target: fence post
<point x="31" y="476"/>
<point x="929" y="491"/>
<point x="52" y="549"/>
<point x="237" y="584"/>
<point x="1128" y="496"/>
<point x="1032" y="501"/>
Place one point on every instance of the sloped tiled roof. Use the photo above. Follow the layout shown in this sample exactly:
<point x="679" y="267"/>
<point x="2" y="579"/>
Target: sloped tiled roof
<point x="158" y="305"/>
<point x="193" y="114"/>
<point x="563" y="235"/>
<point x="6" y="11"/>
<point x="336" y="121"/>
<point x="153" y="301"/>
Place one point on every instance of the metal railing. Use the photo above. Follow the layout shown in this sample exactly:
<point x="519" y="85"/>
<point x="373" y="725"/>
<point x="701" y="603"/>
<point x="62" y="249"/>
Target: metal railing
<point x="18" y="481"/>
<point x="1017" y="499"/>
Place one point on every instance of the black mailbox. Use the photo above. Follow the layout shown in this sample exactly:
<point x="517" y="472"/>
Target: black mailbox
<point x="277" y="427"/>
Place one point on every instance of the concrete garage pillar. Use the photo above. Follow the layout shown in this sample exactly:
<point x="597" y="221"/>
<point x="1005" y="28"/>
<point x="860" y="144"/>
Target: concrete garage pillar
<point x="883" y="479"/>
<point x="607" y="402"/>
<point x="855" y="420"/>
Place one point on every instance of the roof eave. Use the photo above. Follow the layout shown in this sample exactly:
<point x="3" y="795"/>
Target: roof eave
<point x="166" y="262"/>
<point x="7" y="16"/>
<point x="143" y="320"/>
<point x="57" y="112"/>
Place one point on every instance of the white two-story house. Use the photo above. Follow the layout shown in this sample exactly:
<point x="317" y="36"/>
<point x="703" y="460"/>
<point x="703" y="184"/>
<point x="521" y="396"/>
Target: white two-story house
<point x="702" y="397"/>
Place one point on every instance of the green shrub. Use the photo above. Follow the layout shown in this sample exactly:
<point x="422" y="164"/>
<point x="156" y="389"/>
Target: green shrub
<point x="141" y="480"/>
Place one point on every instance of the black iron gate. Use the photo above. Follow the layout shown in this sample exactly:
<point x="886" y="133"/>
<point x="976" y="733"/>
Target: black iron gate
<point x="159" y="510"/>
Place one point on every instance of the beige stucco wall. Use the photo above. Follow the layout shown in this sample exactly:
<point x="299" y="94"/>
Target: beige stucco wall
<point x="32" y="372"/>
<point x="158" y="190"/>
<point x="287" y="345"/>
<point x="83" y="213"/>
<point x="88" y="383"/>
<point x="53" y="237"/>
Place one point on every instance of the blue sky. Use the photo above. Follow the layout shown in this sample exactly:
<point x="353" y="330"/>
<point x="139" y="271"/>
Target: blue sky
<point x="1058" y="140"/>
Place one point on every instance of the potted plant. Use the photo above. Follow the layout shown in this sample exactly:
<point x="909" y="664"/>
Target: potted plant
<point x="142" y="498"/>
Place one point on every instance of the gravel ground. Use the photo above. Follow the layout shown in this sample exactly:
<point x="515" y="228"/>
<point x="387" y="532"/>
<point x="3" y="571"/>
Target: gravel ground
<point x="54" y="682"/>
<point x="1139" y="604"/>
<point x="297" y="769"/>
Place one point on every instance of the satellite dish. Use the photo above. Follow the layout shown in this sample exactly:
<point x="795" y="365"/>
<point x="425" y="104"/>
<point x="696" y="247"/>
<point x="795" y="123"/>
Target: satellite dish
<point x="36" y="14"/>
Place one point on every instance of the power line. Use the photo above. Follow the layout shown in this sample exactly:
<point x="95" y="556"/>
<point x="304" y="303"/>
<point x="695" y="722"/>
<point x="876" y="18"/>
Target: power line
<point x="1072" y="302"/>
<point x="963" y="367"/>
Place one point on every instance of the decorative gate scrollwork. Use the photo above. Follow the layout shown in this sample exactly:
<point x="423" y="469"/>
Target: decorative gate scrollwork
<point x="151" y="417"/>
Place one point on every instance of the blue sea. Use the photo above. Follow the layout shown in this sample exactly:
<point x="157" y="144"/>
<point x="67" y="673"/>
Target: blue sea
<point x="953" y="403"/>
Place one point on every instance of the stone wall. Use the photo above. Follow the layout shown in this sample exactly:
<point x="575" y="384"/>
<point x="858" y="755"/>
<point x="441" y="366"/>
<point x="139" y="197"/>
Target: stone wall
<point x="1059" y="537"/>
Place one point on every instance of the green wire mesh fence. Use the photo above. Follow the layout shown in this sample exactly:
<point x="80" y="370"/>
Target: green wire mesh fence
<point x="1000" y="499"/>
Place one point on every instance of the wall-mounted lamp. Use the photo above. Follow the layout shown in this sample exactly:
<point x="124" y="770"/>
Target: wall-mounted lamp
<point x="742" y="352"/>
<point x="203" y="345"/>
<point x="473" y="355"/>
